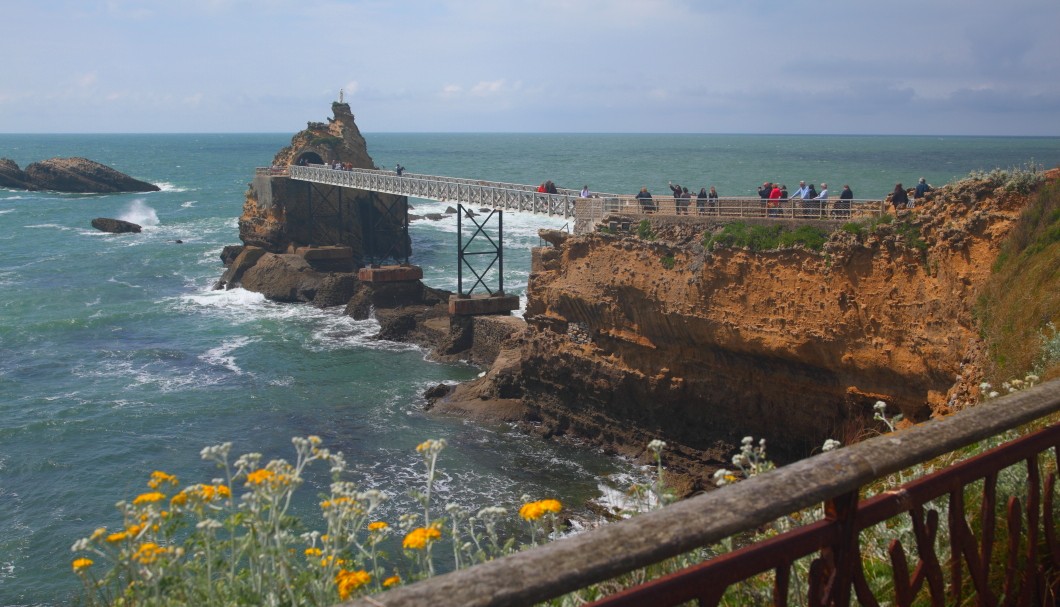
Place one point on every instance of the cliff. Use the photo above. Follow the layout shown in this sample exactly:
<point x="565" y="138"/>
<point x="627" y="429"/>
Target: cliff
<point x="634" y="336"/>
<point x="79" y="175"/>
<point x="280" y="214"/>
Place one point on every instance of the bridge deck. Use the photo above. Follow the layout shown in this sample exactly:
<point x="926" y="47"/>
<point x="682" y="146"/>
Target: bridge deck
<point x="568" y="203"/>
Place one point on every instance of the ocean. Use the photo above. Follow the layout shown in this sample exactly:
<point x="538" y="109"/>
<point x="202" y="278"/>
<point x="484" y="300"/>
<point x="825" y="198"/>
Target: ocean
<point x="117" y="358"/>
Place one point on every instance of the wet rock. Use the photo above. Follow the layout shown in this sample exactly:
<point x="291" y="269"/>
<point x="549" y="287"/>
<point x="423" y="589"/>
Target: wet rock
<point x="115" y="226"/>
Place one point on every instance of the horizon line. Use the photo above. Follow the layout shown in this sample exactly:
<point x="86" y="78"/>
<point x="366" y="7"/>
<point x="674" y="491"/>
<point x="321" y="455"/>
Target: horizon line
<point x="384" y="132"/>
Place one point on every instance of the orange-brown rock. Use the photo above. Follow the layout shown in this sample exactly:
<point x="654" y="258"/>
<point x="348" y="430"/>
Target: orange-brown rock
<point x="792" y="345"/>
<point x="280" y="213"/>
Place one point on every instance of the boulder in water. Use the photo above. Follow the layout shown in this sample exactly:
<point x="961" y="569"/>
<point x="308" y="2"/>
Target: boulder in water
<point x="115" y="226"/>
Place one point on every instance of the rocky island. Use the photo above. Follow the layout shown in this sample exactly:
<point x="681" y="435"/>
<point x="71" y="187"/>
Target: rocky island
<point x="73" y="175"/>
<point x="699" y="340"/>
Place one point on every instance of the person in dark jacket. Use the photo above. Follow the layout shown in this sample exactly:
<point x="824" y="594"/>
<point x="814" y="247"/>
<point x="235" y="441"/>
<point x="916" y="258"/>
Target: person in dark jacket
<point x="921" y="189"/>
<point x="842" y="208"/>
<point x="899" y="198"/>
<point x="701" y="201"/>
<point x="646" y="203"/>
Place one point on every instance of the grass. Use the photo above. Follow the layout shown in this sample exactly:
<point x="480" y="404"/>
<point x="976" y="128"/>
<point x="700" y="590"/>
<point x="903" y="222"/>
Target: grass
<point x="765" y="238"/>
<point x="1021" y="300"/>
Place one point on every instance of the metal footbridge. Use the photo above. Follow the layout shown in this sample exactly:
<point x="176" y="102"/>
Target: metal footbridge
<point x="569" y="203"/>
<point x="469" y="192"/>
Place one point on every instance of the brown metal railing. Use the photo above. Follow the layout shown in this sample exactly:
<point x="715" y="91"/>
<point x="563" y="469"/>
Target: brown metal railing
<point x="838" y="572"/>
<point x="836" y="575"/>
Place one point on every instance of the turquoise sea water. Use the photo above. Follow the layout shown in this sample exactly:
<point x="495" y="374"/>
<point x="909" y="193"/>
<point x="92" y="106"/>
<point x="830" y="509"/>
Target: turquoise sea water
<point x="117" y="358"/>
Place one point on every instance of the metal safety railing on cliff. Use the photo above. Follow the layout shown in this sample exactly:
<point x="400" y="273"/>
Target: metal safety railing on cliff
<point x="983" y="562"/>
<point x="569" y="203"/>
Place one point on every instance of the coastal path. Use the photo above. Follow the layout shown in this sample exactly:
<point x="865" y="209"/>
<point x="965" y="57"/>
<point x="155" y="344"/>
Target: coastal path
<point x="569" y="203"/>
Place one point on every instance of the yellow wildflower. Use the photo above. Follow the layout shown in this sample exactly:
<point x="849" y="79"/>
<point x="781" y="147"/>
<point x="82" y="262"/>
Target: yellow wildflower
<point x="331" y="560"/>
<point x="149" y="498"/>
<point x="158" y="477"/>
<point x="259" y="476"/>
<point x="391" y="581"/>
<point x="179" y="499"/>
<point x="134" y="530"/>
<point x="418" y="538"/>
<point x="148" y="553"/>
<point x="212" y="492"/>
<point x="117" y="537"/>
<point x="348" y="581"/>
<point x="377" y="526"/>
<point x="80" y="564"/>
<point x="532" y="511"/>
<point x="424" y="446"/>
<point x="312" y="551"/>
<point x="98" y="533"/>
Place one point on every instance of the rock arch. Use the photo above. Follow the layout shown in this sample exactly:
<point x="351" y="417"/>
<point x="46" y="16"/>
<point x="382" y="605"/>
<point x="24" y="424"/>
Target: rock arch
<point x="309" y="157"/>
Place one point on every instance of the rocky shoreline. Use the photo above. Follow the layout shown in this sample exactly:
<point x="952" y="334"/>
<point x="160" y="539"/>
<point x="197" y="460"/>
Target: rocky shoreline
<point x="695" y="341"/>
<point x="71" y="175"/>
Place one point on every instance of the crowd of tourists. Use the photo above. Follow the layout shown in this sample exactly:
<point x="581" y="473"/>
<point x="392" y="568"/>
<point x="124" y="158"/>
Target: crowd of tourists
<point x="775" y="200"/>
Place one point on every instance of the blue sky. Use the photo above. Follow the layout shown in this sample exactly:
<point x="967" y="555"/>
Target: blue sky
<point x="969" y="67"/>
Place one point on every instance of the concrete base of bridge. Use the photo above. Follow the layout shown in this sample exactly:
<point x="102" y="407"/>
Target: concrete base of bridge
<point x="481" y="305"/>
<point x="389" y="273"/>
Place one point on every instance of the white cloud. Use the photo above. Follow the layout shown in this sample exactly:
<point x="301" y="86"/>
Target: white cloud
<point x="451" y="90"/>
<point x="484" y="88"/>
<point x="87" y="80"/>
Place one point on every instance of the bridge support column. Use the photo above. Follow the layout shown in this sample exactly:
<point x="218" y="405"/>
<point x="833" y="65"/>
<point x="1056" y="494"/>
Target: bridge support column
<point x="481" y="305"/>
<point x="406" y="273"/>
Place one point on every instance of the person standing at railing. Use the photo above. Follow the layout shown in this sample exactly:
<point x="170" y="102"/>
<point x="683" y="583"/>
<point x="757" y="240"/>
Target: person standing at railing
<point x="646" y="203"/>
<point x="712" y="201"/>
<point x="676" y="189"/>
<point x="701" y="201"/>
<point x="801" y="194"/>
<point x="821" y="201"/>
<point x="585" y="191"/>
<point x="842" y="208"/>
<point x="774" y="201"/>
<point x="399" y="169"/>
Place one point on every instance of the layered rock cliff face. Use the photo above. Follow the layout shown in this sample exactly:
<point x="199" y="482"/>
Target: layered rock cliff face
<point x="280" y="213"/>
<point x="79" y="175"/>
<point x="630" y="339"/>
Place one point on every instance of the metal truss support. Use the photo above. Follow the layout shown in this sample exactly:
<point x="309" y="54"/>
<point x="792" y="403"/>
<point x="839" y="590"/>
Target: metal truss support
<point x="494" y="251"/>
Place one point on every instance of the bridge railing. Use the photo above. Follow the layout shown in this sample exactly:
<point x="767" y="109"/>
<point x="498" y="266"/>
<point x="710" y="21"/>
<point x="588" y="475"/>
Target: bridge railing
<point x="836" y="574"/>
<point x="747" y="206"/>
<point x="469" y="192"/>
<point x="526" y="198"/>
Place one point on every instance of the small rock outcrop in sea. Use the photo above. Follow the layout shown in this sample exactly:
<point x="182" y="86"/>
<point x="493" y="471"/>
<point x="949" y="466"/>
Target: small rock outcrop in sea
<point x="74" y="175"/>
<point x="115" y="226"/>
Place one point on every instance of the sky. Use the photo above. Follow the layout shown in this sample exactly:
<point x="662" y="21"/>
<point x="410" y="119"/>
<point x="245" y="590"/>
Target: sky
<point x="937" y="67"/>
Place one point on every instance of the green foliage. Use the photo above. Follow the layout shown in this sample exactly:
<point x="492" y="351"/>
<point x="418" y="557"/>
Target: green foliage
<point x="766" y="237"/>
<point x="808" y="236"/>
<point x="910" y="234"/>
<point x="1022" y="296"/>
<point x="326" y="140"/>
<point x="644" y="230"/>
<point x="1022" y="179"/>
<point x="855" y="228"/>
<point x="668" y="262"/>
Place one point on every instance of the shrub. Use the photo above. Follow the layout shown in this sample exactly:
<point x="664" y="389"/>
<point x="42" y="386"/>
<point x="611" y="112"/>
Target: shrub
<point x="644" y="230"/>
<point x="1022" y="179"/>
<point x="668" y="262"/>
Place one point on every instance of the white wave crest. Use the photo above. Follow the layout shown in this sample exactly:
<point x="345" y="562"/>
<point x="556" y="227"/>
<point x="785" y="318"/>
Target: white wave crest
<point x="165" y="186"/>
<point x="139" y="213"/>
<point x="188" y="204"/>
<point x="222" y="355"/>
